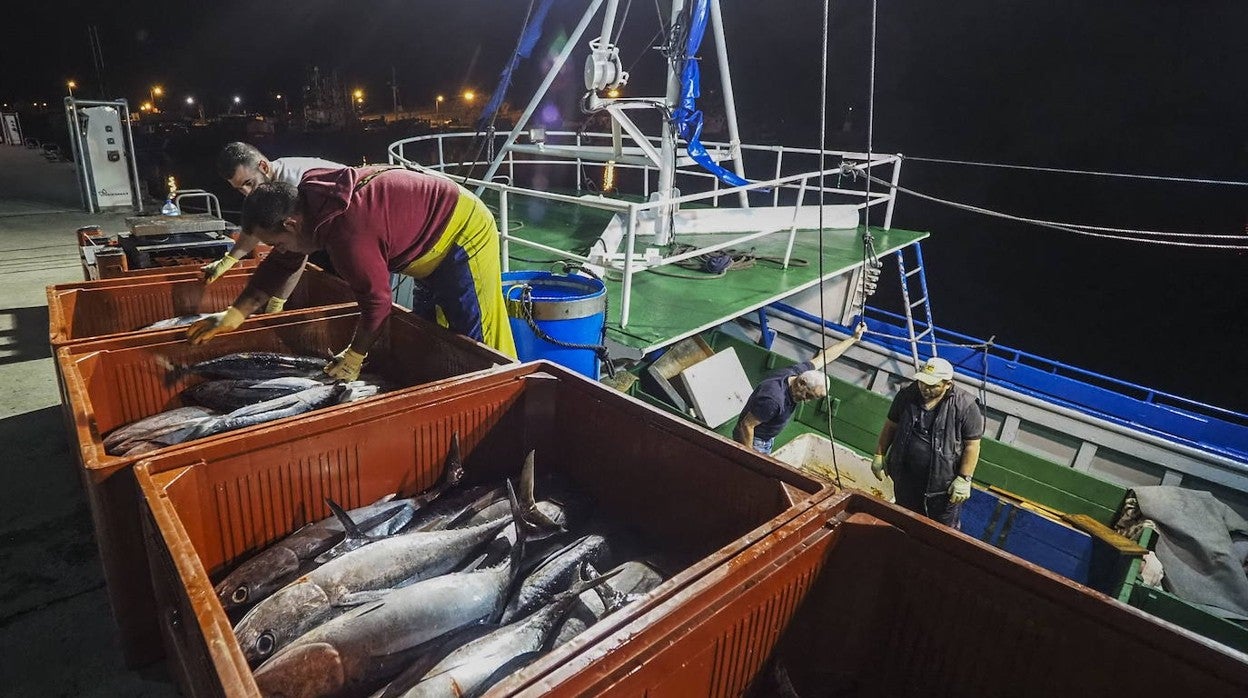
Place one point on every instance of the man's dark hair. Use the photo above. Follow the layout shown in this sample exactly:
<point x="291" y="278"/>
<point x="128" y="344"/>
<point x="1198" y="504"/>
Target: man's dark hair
<point x="235" y="154"/>
<point x="269" y="205"/>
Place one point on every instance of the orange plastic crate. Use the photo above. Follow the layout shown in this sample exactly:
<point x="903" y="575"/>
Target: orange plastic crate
<point x="859" y="597"/>
<point x="92" y="310"/>
<point x="112" y="382"/>
<point x="695" y="497"/>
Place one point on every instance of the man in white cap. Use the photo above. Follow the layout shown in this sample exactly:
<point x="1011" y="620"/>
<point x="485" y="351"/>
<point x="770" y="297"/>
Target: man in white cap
<point x="931" y="439"/>
<point x="772" y="404"/>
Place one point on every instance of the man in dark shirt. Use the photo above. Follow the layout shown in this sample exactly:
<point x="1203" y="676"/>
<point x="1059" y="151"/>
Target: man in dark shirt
<point x="772" y="404"/>
<point x="374" y="221"/>
<point x="931" y="438"/>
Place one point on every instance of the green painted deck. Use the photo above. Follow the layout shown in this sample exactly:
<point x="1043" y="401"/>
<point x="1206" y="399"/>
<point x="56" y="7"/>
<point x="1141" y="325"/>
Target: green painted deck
<point x="666" y="309"/>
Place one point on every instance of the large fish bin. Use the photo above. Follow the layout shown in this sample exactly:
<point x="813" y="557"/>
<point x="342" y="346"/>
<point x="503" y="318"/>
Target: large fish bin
<point x="700" y="502"/>
<point x="862" y="598"/>
<point x="91" y="310"/>
<point x="112" y="382"/>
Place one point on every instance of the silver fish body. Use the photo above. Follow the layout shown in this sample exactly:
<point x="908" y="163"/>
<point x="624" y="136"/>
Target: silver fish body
<point x="273" y="567"/>
<point x="277" y="408"/>
<point x="179" y="321"/>
<point x="554" y="576"/>
<point x="372" y="643"/>
<point x="229" y="394"/>
<point x="313" y="598"/>
<point x="259" y="364"/>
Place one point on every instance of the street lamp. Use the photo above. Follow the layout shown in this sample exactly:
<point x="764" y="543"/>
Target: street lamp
<point x="469" y="95"/>
<point x="190" y="101"/>
<point x="71" y="85"/>
<point x="154" y="92"/>
<point x="437" y="103"/>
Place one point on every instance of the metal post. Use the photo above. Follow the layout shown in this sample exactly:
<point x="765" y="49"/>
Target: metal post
<point x="892" y="194"/>
<point x="523" y="121"/>
<point x="801" y="197"/>
<point x="730" y="101"/>
<point x="667" y="159"/>
<point x="627" y="292"/>
<point x="75" y="141"/>
<point x="134" y="160"/>
<point x="504" y="228"/>
<point x="608" y="22"/>
<point x="775" y="192"/>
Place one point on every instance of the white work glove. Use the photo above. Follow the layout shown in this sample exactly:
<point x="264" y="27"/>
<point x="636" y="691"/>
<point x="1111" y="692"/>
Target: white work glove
<point x="959" y="490"/>
<point x="225" y="321"/>
<point x="346" y="365"/>
<point x="877" y="467"/>
<point x="214" y="270"/>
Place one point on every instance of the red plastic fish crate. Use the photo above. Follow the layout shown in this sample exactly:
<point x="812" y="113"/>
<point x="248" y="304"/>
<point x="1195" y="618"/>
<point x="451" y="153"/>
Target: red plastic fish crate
<point x="859" y="597"/>
<point x="90" y="310"/>
<point x="692" y="496"/>
<point x="112" y="382"/>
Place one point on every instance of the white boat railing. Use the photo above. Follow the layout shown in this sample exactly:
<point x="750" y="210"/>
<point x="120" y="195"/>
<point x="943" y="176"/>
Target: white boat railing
<point x="573" y="149"/>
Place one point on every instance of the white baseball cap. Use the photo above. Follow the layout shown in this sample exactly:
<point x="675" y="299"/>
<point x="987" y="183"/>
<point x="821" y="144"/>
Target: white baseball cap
<point x="934" y="371"/>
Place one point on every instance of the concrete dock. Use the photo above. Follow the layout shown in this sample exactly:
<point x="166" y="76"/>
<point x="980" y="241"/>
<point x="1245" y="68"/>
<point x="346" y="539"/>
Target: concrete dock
<point x="57" y="636"/>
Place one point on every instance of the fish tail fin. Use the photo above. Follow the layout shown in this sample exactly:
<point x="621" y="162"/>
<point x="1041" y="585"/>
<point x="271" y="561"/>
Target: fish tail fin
<point x="357" y="534"/>
<point x="454" y="462"/>
<point x="528" y="503"/>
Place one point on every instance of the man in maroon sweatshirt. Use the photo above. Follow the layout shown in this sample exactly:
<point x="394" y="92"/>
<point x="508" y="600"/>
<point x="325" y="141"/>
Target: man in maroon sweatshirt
<point x="373" y="221"/>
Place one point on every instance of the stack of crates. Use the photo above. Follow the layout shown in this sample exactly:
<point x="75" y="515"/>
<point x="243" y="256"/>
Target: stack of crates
<point x="110" y="374"/>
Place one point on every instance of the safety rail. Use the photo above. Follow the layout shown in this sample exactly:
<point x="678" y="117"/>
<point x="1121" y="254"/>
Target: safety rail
<point x="1198" y="425"/>
<point x="804" y="185"/>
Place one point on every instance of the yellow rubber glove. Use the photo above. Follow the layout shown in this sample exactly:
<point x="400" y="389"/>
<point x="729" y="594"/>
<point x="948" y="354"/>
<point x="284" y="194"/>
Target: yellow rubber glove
<point x="346" y="365"/>
<point x="275" y="305"/>
<point x="213" y="271"/>
<point x="960" y="490"/>
<point x="877" y="467"/>
<point x="225" y="321"/>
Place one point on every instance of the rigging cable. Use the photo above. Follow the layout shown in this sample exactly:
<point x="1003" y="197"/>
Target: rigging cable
<point x="1094" y="173"/>
<point x="823" y="327"/>
<point x="1077" y="230"/>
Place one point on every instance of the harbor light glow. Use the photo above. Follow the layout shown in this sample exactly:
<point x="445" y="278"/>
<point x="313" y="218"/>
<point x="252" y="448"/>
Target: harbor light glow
<point x="469" y="95"/>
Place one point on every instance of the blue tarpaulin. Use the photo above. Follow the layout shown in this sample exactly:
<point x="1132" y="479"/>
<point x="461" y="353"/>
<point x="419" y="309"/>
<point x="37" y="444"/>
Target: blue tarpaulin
<point x="687" y="116"/>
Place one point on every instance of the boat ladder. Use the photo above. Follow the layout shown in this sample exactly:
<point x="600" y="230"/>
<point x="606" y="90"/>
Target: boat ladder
<point x="921" y="304"/>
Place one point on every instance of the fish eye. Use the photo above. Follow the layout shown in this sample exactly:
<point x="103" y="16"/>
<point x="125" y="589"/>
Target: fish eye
<point x="240" y="595"/>
<point x="265" y="643"/>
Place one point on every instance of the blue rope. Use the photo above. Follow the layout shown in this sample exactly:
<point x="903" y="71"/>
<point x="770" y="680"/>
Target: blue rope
<point x="528" y="40"/>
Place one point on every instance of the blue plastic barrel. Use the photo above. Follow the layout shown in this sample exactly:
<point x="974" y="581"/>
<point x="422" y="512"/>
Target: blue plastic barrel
<point x="567" y="308"/>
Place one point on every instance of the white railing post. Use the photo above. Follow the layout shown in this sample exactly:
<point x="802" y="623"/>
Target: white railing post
<point x="801" y="196"/>
<point x="626" y="294"/>
<point x="892" y="194"/>
<point x="504" y="233"/>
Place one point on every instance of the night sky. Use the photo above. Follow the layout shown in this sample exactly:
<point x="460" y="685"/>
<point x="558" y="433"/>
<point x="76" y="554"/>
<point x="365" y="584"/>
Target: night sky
<point x="1139" y="86"/>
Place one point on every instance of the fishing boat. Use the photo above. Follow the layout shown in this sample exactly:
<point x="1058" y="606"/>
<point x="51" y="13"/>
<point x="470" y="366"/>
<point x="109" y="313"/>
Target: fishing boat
<point x="795" y="240"/>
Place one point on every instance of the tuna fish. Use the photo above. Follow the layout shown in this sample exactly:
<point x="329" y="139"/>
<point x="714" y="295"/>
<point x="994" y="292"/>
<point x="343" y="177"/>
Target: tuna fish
<point x="368" y="645"/>
<point x="475" y="666"/>
<point x="258" y="577"/>
<point x="229" y="394"/>
<point x="169" y="425"/>
<point x="270" y="410"/>
<point x="315" y="597"/>
<point x="179" y="321"/>
<point x="554" y="576"/>
<point x="453" y="470"/>
<point x="629" y="582"/>
<point x="258" y="365"/>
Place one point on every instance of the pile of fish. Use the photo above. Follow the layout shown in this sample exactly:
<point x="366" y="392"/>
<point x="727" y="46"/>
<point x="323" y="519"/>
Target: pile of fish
<point x="443" y="594"/>
<point x="240" y="390"/>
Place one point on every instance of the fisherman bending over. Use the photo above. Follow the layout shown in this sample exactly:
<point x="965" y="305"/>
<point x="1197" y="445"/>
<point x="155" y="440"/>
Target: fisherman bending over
<point x="245" y="168"/>
<point x="772" y="404"/>
<point x="373" y="221"/>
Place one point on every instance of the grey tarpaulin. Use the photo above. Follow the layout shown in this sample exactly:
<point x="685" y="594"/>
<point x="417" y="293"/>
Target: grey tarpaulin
<point x="1196" y="548"/>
